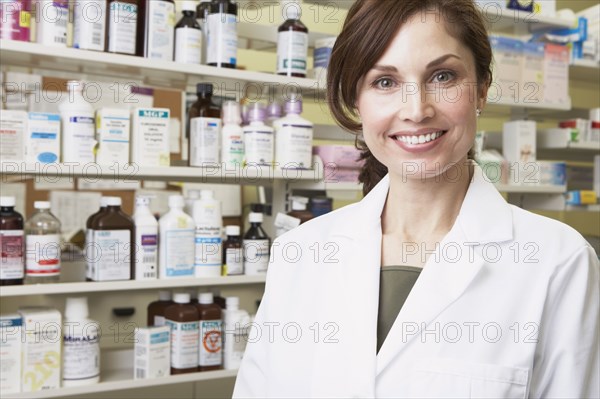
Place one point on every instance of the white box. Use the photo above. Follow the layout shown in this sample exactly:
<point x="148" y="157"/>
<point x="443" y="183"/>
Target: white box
<point x="322" y="55"/>
<point x="13" y="125"/>
<point x="507" y="70"/>
<point x="112" y="135"/>
<point x="556" y="75"/>
<point x="42" y="141"/>
<point x="150" y="137"/>
<point x="532" y="91"/>
<point x="152" y="352"/>
<point x="557" y="137"/>
<point x="519" y="149"/>
<point x="10" y="354"/>
<point x="42" y="339"/>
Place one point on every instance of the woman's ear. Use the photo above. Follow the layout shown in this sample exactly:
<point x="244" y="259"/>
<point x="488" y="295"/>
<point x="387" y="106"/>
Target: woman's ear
<point x="482" y="101"/>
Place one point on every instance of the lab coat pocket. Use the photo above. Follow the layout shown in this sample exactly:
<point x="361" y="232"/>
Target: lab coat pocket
<point x="452" y="378"/>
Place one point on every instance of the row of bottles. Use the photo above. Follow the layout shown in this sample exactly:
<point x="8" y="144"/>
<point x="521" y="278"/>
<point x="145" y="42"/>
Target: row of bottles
<point x="216" y="135"/>
<point x="206" y="33"/>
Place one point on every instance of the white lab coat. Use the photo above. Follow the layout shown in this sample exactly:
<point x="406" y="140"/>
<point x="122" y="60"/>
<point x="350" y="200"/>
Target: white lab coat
<point x="507" y="306"/>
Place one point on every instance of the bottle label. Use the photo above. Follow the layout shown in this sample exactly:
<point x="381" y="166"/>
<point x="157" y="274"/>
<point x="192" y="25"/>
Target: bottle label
<point x="161" y="16"/>
<point x="89" y="25"/>
<point x="122" y="27"/>
<point x="159" y="320"/>
<point x="222" y="39"/>
<point x="292" y="52"/>
<point x="184" y="344"/>
<point x="42" y="255"/>
<point x="12" y="137"/>
<point x="146" y="252"/>
<point x="234" y="262"/>
<point x="294" y="146"/>
<point x="210" y="343"/>
<point x="150" y="146"/>
<point x="208" y="250"/>
<point x="256" y="256"/>
<point x="233" y="146"/>
<point x="112" y="255"/>
<point x="12" y="263"/>
<point x="258" y="146"/>
<point x="78" y="138"/>
<point x="43" y="138"/>
<point x="179" y="257"/>
<point x="52" y="19"/>
<point x="188" y="45"/>
<point x="81" y="352"/>
<point x="204" y="141"/>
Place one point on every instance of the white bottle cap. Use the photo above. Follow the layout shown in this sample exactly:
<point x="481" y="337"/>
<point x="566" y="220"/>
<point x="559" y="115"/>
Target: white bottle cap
<point x="7" y="201"/>
<point x="205" y="298"/>
<point x="176" y="201"/>
<point x="188" y="6"/>
<point x="113" y="201"/>
<point x="76" y="308"/>
<point x="255" y="217"/>
<point x="181" y="297"/>
<point x="142" y="201"/>
<point x="299" y="203"/>
<point x="232" y="302"/>
<point x="103" y="202"/>
<point x="41" y="205"/>
<point x="75" y="86"/>
<point x="595" y="114"/>
<point x="231" y="113"/>
<point x="164" y="295"/>
<point x="206" y="195"/>
<point x="291" y="9"/>
<point x="232" y="230"/>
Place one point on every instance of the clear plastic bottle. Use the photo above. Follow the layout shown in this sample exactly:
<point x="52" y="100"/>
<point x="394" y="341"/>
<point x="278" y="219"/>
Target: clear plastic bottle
<point x="256" y="246"/>
<point x="176" y="243"/>
<point x="293" y="138"/>
<point x="232" y="144"/>
<point x="145" y="265"/>
<point x="258" y="138"/>
<point x="222" y="30"/>
<point x="42" y="243"/>
<point x="78" y="126"/>
<point x="207" y="217"/>
<point x="188" y="36"/>
<point x="204" y="128"/>
<point x="12" y="240"/>
<point x="292" y="41"/>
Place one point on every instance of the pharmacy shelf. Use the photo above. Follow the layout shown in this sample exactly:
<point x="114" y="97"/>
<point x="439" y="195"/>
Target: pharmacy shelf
<point x="503" y="103"/>
<point x="583" y="208"/>
<point x="131" y="172"/>
<point x="119" y="379"/>
<point x="541" y="189"/>
<point x="585" y="70"/>
<point x="268" y="35"/>
<point x="153" y="72"/>
<point x="129" y="285"/>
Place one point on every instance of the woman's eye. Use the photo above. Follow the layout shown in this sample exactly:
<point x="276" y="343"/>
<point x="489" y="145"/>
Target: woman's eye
<point x="443" y="77"/>
<point x="383" y="83"/>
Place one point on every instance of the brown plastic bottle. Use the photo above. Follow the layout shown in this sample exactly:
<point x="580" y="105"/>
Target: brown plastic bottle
<point x="155" y="33"/>
<point x="292" y="42"/>
<point x="12" y="243"/>
<point x="208" y="113"/>
<point x="113" y="238"/>
<point x="211" y="333"/>
<point x="183" y="317"/>
<point x="89" y="239"/>
<point x="122" y="17"/>
<point x="156" y="309"/>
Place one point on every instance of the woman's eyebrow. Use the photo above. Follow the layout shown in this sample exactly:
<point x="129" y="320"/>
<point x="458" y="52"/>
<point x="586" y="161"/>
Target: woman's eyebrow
<point x="437" y="61"/>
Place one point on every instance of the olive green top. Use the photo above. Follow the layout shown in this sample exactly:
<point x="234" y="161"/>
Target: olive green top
<point x="395" y="284"/>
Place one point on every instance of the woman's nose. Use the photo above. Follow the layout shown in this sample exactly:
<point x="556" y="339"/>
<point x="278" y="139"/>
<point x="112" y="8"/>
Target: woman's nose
<point x="415" y="105"/>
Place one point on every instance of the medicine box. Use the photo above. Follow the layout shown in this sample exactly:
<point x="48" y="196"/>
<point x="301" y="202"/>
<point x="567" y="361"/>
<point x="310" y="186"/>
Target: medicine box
<point x="41" y="352"/>
<point x="322" y="55"/>
<point x="519" y="141"/>
<point x="556" y="75"/>
<point x="13" y="125"/>
<point x="152" y="352"/>
<point x="532" y="91"/>
<point x="150" y="137"/>
<point x="341" y="156"/>
<point x="10" y="354"/>
<point x="556" y="137"/>
<point x="112" y="135"/>
<point x="507" y="70"/>
<point x="553" y="173"/>
<point x="42" y="141"/>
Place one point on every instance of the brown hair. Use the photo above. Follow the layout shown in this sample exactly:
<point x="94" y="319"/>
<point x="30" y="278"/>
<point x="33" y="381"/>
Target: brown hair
<point x="369" y="28"/>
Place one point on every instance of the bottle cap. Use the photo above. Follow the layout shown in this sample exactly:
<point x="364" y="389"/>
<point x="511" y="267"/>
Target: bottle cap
<point x="103" y="202"/>
<point x="76" y="308"/>
<point x="188" y="5"/>
<point x="232" y="302"/>
<point x="255" y="217"/>
<point x="113" y="201"/>
<point x="176" y="201"/>
<point x="205" y="298"/>
<point x="181" y="297"/>
<point x="291" y="9"/>
<point x="232" y="230"/>
<point x="164" y="295"/>
<point x="140" y="200"/>
<point x="274" y="110"/>
<point x="204" y="88"/>
<point x="299" y="203"/>
<point x="206" y="195"/>
<point x="294" y="106"/>
<point x="257" y="112"/>
<point x="41" y="205"/>
<point x="75" y="86"/>
<point x="7" y="201"/>
<point x="231" y="113"/>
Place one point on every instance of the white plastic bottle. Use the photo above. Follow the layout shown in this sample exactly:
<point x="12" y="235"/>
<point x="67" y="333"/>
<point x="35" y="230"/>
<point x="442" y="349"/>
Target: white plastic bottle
<point x="51" y="19"/>
<point x="192" y="196"/>
<point x="232" y="145"/>
<point x="146" y="241"/>
<point x="89" y="25"/>
<point x="258" y="138"/>
<point x="208" y="257"/>
<point x="81" y="350"/>
<point x="293" y="138"/>
<point x="188" y="36"/>
<point x="236" y="328"/>
<point x="77" y="117"/>
<point x="176" y="244"/>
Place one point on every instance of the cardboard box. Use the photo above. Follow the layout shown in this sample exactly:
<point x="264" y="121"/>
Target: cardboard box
<point x="10" y="353"/>
<point x="152" y="352"/>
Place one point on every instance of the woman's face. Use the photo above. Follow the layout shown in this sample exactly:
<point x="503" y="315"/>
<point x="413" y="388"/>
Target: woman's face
<point x="418" y="103"/>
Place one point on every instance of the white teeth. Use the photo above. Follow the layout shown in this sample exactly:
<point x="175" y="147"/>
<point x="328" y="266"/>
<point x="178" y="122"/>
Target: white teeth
<point x="419" y="139"/>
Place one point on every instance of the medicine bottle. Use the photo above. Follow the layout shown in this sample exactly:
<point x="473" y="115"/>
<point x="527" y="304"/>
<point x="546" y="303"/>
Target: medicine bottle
<point x="208" y="245"/>
<point x="183" y="318"/>
<point x="176" y="243"/>
<point x="156" y="309"/>
<point x="211" y="329"/>
<point x="256" y="246"/>
<point x="89" y="25"/>
<point x="121" y="26"/>
<point x="88" y="249"/>
<point x="274" y="112"/>
<point x="235" y="328"/>
<point x="232" y="144"/>
<point x="12" y="240"/>
<point x="293" y="138"/>
<point x="292" y="41"/>
<point x="51" y="19"/>
<point x="188" y="36"/>
<point x="204" y="128"/>
<point x="233" y="253"/>
<point x="145" y="263"/>
<point x="222" y="34"/>
<point x="78" y="125"/>
<point x="42" y="243"/>
<point x="155" y="29"/>
<point x="258" y="138"/>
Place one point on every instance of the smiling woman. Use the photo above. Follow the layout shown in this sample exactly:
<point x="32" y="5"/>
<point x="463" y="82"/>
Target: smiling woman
<point x="432" y="285"/>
